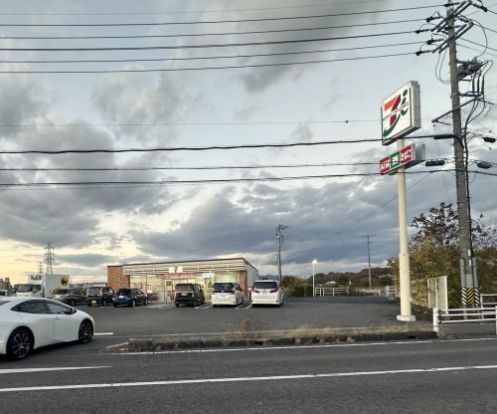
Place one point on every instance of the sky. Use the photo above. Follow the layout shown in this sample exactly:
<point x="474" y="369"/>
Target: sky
<point x="152" y="93"/>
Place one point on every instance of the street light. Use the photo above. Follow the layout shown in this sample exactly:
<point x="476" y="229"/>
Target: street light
<point x="313" y="286"/>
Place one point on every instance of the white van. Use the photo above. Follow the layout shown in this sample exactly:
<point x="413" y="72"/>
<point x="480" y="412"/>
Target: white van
<point x="227" y="293"/>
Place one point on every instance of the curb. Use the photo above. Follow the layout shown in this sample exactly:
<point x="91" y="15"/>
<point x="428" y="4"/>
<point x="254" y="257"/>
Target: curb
<point x="271" y="338"/>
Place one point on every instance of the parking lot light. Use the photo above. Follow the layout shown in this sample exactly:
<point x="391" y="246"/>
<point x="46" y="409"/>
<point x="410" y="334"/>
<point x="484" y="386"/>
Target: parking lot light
<point x="313" y="285"/>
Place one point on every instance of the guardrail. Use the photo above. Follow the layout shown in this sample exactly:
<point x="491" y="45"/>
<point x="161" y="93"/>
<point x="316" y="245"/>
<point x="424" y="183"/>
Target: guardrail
<point x="464" y="315"/>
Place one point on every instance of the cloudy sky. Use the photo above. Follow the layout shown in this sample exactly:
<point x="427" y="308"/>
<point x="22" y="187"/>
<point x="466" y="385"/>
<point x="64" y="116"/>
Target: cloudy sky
<point x="150" y="88"/>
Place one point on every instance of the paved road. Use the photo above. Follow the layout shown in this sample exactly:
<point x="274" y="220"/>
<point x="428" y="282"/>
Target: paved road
<point x="402" y="377"/>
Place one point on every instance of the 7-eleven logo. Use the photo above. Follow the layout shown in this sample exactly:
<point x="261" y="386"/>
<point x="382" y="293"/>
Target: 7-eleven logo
<point x="393" y="110"/>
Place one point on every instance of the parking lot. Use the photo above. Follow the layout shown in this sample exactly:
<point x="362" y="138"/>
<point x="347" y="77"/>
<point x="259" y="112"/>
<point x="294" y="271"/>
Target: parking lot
<point x="156" y="319"/>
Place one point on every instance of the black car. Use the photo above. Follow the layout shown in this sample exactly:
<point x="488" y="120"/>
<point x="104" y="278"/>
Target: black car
<point x="71" y="296"/>
<point x="189" y="294"/>
<point x="129" y="297"/>
<point x="99" y="296"/>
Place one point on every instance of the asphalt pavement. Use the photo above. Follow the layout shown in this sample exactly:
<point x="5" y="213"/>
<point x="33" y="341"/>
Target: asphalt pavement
<point x="399" y="377"/>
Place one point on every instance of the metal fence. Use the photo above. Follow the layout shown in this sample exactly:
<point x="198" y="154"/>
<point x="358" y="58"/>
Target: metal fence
<point x="464" y="315"/>
<point x="332" y="291"/>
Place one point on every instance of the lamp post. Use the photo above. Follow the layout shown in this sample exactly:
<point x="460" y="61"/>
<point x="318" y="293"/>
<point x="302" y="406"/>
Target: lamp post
<point x="313" y="285"/>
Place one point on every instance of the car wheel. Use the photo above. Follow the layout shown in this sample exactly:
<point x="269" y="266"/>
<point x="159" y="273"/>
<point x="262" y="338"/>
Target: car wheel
<point x="115" y="305"/>
<point x="195" y="303"/>
<point x="85" y="333"/>
<point x="20" y="344"/>
<point x="177" y="305"/>
<point x="89" y="304"/>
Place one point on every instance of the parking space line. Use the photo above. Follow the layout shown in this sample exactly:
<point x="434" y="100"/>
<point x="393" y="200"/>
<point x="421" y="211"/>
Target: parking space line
<point x="204" y="306"/>
<point x="103" y="334"/>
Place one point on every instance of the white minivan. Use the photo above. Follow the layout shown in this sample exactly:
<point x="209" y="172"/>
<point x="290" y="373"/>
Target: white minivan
<point x="267" y="292"/>
<point x="227" y="293"/>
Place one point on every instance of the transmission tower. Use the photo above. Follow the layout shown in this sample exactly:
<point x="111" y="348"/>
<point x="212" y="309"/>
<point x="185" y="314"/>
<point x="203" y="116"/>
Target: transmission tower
<point x="49" y="259"/>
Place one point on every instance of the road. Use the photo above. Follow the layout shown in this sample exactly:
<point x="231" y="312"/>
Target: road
<point x="399" y="377"/>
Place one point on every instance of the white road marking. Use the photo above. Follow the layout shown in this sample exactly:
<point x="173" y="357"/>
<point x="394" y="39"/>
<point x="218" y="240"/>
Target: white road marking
<point x="297" y="347"/>
<point x="204" y="306"/>
<point x="248" y="307"/>
<point x="103" y="333"/>
<point x="25" y="370"/>
<point x="247" y="379"/>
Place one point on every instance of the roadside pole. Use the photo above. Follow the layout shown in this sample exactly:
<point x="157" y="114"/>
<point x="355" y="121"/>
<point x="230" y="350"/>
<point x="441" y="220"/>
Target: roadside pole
<point x="404" y="274"/>
<point x="465" y="253"/>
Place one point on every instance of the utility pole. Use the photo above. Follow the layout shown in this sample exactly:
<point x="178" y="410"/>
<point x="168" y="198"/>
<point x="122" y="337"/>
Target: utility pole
<point x="279" y="237"/>
<point x="369" y="260"/>
<point x="49" y="259"/>
<point x="447" y="27"/>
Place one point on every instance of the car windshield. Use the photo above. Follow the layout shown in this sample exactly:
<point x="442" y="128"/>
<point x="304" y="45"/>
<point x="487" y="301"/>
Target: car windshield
<point x="222" y="287"/>
<point x="60" y="291"/>
<point x="124" y="291"/>
<point x="27" y="288"/>
<point x="184" y="288"/>
<point x="94" y="291"/>
<point x="265" y="285"/>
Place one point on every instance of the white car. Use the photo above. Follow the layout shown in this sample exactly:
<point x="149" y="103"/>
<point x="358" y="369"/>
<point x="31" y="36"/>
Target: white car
<point x="227" y="293"/>
<point x="30" y="323"/>
<point x="267" y="292"/>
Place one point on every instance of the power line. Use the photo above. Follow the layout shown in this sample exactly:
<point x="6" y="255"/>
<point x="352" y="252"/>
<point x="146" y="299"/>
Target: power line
<point x="217" y="167"/>
<point x="197" y="46"/>
<point x="161" y="36"/>
<point x="479" y="44"/>
<point x="224" y="67"/>
<point x="265" y="19"/>
<point x="192" y="12"/>
<point x="215" y="57"/>
<point x="209" y="181"/>
<point x="206" y="148"/>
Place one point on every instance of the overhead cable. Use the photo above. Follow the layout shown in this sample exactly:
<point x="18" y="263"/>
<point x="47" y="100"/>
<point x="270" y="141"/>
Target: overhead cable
<point x="206" y="148"/>
<point x="202" y="68"/>
<point x="198" y="46"/>
<point x="250" y="32"/>
<point x="178" y="23"/>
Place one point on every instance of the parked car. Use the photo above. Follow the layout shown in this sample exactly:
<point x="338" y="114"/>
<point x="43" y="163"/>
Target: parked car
<point x="227" y="293"/>
<point x="71" y="296"/>
<point x="129" y="297"/>
<point x="31" y="323"/>
<point x="99" y="296"/>
<point x="267" y="292"/>
<point x="189" y="294"/>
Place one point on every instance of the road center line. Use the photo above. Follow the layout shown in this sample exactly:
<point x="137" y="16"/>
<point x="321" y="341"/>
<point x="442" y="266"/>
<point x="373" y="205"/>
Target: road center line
<point x="246" y="379"/>
<point x="26" y="370"/>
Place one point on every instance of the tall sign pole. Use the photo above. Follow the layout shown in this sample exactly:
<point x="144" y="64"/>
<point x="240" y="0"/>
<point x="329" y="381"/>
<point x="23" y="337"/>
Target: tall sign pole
<point x="401" y="115"/>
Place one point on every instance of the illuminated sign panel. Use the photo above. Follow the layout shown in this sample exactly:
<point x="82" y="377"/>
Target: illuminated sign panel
<point x="401" y="113"/>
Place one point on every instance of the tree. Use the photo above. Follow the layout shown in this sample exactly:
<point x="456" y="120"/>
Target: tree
<point x="434" y="251"/>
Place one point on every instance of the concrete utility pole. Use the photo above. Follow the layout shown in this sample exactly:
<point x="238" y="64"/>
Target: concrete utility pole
<point x="369" y="260"/>
<point x="279" y="236"/>
<point x="465" y="246"/>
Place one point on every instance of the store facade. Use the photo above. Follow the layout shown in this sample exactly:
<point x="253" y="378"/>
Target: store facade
<point x="159" y="279"/>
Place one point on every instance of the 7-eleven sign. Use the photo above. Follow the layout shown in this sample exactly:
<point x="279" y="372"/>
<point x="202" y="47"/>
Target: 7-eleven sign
<point x="406" y="157"/>
<point x="401" y="113"/>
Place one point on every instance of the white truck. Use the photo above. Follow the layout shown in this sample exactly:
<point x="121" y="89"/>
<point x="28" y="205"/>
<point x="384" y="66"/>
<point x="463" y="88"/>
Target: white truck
<point x="42" y="285"/>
